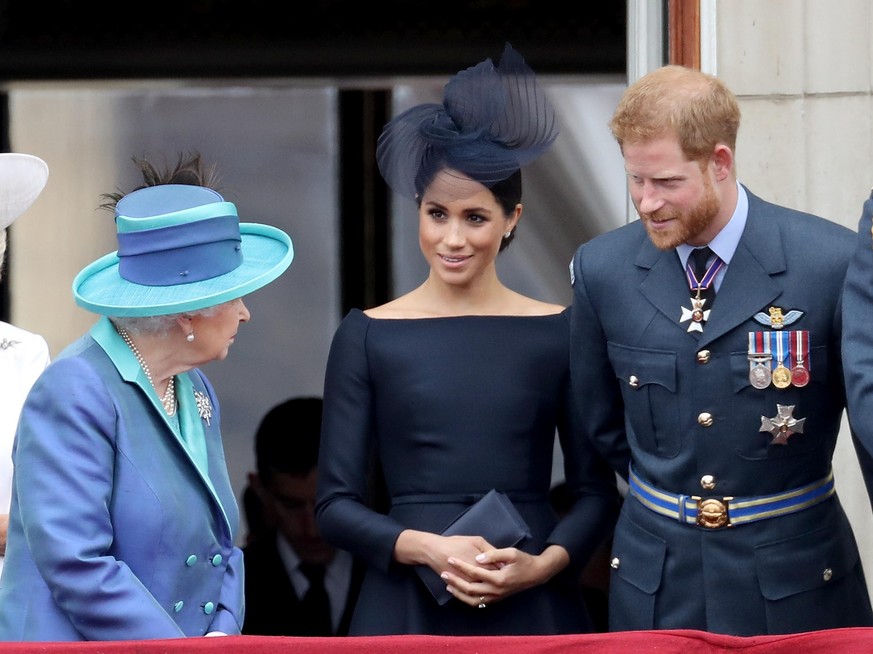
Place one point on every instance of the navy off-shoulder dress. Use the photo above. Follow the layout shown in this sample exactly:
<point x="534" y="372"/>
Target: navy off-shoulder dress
<point x="454" y="407"/>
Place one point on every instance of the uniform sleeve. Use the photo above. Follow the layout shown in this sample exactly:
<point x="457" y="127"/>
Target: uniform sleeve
<point x="857" y="344"/>
<point x="344" y="516"/>
<point x="598" y="410"/>
<point x="592" y="487"/>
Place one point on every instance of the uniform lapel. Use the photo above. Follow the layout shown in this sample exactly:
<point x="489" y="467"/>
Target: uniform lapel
<point x="748" y="285"/>
<point x="665" y="284"/>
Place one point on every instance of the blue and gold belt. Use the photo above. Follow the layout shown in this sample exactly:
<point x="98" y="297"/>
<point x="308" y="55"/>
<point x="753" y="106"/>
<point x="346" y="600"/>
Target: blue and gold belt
<point x="718" y="512"/>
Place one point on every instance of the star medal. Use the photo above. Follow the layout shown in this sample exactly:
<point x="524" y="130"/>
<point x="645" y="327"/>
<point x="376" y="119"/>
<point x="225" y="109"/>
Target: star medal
<point x="696" y="314"/>
<point x="783" y="425"/>
<point x="759" y="360"/>
<point x="781" y="374"/>
<point x="800" y="353"/>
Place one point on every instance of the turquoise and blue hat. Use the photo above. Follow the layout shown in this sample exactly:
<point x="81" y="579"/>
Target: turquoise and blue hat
<point x="180" y="248"/>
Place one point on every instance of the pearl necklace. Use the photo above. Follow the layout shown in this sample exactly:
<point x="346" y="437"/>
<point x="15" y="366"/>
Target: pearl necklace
<point x="169" y="398"/>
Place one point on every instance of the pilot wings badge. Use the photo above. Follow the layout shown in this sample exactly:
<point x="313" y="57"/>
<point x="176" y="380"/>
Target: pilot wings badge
<point x="776" y="319"/>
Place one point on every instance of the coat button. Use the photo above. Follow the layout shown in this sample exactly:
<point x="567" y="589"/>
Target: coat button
<point x="828" y="574"/>
<point x="191" y="560"/>
<point x="614" y="563"/>
<point x="208" y="608"/>
<point x="178" y="606"/>
<point x="633" y="381"/>
<point x="707" y="482"/>
<point x="705" y="419"/>
<point x="703" y="356"/>
<point x="216" y="560"/>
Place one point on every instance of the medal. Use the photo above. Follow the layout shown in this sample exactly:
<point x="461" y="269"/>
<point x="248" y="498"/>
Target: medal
<point x="697" y="314"/>
<point x="799" y="349"/>
<point x="783" y="425"/>
<point x="760" y="360"/>
<point x="781" y="374"/>
<point x="759" y="375"/>
<point x="781" y="377"/>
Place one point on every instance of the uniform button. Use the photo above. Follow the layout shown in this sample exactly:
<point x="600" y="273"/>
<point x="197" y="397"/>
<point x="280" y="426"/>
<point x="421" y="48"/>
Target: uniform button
<point x="216" y="560"/>
<point x="705" y="419"/>
<point x="178" y="606"/>
<point x="634" y="381"/>
<point x="707" y="482"/>
<point x="614" y="563"/>
<point x="703" y="356"/>
<point x="827" y="574"/>
<point x="208" y="608"/>
<point x="191" y="560"/>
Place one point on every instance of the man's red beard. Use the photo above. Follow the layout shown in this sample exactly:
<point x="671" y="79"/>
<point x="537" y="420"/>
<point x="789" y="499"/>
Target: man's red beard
<point x="686" y="226"/>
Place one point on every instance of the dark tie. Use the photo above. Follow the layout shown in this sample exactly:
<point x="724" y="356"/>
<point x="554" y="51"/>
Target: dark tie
<point x="698" y="259"/>
<point x="316" y="603"/>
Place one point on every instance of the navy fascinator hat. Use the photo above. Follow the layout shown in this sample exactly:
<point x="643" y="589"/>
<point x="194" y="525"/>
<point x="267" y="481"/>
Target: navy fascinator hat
<point x="494" y="119"/>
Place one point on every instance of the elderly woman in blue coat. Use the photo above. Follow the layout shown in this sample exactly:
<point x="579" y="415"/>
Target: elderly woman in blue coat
<point x="123" y="518"/>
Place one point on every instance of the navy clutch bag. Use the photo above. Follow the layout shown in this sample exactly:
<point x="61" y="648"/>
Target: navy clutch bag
<point x="495" y="518"/>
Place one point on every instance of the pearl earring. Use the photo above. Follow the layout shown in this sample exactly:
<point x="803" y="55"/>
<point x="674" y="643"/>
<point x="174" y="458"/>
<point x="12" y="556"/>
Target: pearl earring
<point x="508" y="234"/>
<point x="190" y="337"/>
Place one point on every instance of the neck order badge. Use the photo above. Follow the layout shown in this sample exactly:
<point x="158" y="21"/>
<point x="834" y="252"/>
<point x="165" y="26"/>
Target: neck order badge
<point x="700" y="281"/>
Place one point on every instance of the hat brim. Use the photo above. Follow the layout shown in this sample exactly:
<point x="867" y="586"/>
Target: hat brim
<point x="24" y="177"/>
<point x="267" y="253"/>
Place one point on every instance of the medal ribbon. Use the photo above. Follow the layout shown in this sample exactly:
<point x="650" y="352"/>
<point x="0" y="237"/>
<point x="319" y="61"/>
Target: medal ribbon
<point x="800" y="346"/>
<point x="708" y="276"/>
<point x="780" y="341"/>
<point x="764" y="344"/>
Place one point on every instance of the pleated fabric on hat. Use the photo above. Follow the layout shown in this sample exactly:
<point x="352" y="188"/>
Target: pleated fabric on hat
<point x="494" y="119"/>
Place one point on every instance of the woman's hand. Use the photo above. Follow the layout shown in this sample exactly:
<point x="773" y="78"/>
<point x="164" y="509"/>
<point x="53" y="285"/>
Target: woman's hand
<point x="498" y="573"/>
<point x="424" y="548"/>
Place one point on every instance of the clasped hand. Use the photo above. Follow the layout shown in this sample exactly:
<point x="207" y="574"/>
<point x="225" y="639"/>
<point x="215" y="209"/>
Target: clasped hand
<point x="476" y="573"/>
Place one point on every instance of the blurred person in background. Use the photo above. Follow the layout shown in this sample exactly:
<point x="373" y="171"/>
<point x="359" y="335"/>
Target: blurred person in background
<point x="297" y="584"/>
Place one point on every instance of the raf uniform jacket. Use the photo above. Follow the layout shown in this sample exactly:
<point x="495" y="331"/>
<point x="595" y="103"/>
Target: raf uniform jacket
<point x="680" y="407"/>
<point x="272" y="605"/>
<point x="116" y="531"/>
<point x="858" y="341"/>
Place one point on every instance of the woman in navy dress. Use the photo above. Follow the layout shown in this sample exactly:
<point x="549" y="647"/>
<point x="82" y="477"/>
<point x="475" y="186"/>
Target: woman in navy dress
<point x="459" y="387"/>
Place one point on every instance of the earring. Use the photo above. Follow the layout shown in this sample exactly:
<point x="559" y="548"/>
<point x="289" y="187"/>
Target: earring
<point x="508" y="234"/>
<point x="190" y="337"/>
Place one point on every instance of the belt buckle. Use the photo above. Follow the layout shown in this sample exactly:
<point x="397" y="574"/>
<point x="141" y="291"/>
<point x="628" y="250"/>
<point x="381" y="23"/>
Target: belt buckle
<point x="712" y="512"/>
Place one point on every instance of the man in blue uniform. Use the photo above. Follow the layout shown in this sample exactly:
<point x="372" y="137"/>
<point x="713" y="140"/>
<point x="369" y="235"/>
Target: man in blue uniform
<point x="706" y="367"/>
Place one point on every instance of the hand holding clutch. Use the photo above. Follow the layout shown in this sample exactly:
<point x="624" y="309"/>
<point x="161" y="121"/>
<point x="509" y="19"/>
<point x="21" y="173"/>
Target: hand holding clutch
<point x="495" y="519"/>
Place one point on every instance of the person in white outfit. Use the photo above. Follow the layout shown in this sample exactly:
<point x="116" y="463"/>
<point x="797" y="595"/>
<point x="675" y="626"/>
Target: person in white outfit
<point x="23" y="355"/>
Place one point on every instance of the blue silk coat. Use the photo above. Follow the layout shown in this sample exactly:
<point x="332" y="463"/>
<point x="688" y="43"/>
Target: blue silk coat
<point x="116" y="531"/>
